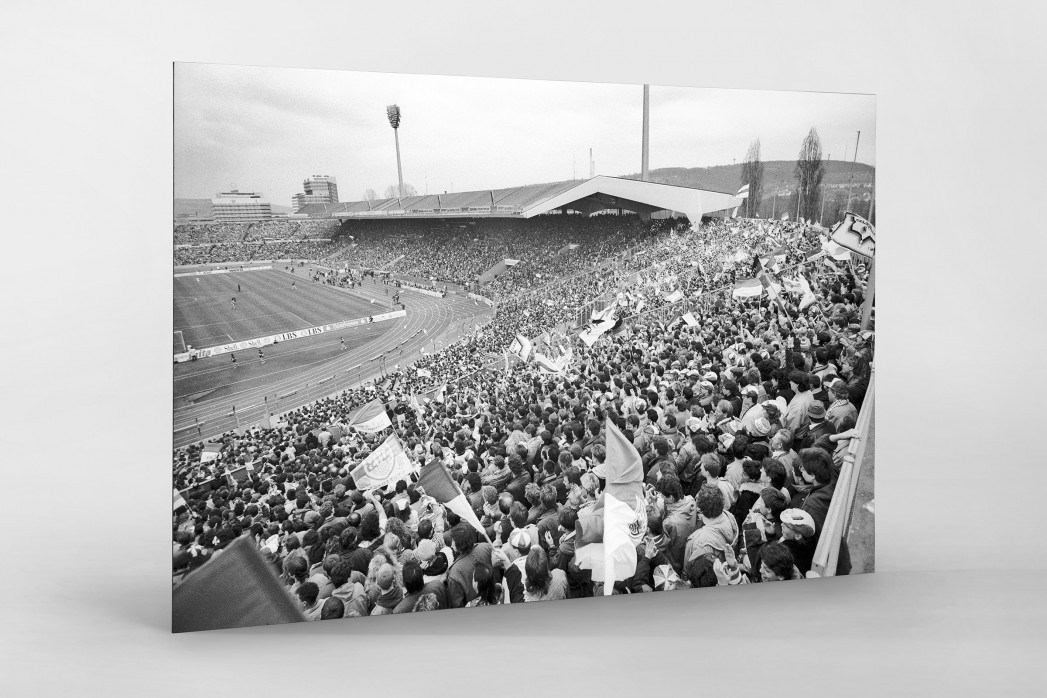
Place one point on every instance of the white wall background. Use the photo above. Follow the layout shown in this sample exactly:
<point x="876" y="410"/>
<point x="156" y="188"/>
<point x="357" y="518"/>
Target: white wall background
<point x="87" y="311"/>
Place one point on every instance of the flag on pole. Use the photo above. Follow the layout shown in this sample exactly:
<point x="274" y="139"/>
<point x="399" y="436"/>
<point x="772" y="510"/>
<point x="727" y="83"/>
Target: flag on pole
<point x="609" y="530"/>
<point x="210" y="452"/>
<point x="521" y="346"/>
<point x="425" y="373"/>
<point x="437" y="483"/>
<point x="690" y="319"/>
<point x="440" y="393"/>
<point x="371" y="418"/>
<point x="601" y="322"/>
<point x="558" y="365"/>
<point x="674" y="296"/>
<point x="178" y="501"/>
<point x="747" y="288"/>
<point x="792" y="285"/>
<point x="808" y="297"/>
<point x="386" y="465"/>
<point x="856" y="234"/>
<point x="743" y="193"/>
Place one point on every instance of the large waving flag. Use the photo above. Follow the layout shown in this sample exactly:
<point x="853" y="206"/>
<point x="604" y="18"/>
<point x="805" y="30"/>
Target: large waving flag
<point x="856" y="234"/>
<point x="609" y="531"/>
<point x="386" y="465"/>
<point x="521" y="346"/>
<point x="438" y="484"/>
<point x="600" y="323"/>
<point x="371" y="418"/>
<point x="747" y="288"/>
<point x="546" y="364"/>
<point x="808" y="297"/>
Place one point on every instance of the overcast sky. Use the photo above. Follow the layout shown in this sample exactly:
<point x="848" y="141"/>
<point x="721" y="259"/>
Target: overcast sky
<point x="267" y="129"/>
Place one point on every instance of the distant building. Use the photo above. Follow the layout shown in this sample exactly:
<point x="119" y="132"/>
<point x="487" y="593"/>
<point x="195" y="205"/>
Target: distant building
<point x="240" y="206"/>
<point x="319" y="189"/>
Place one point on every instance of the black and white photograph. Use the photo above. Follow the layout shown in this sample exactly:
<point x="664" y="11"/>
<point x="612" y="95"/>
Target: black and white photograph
<point x="575" y="306"/>
<point x="443" y="342"/>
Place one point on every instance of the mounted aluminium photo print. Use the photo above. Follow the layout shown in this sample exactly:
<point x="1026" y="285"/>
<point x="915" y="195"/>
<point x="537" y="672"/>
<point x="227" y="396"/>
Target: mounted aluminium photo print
<point x="445" y="342"/>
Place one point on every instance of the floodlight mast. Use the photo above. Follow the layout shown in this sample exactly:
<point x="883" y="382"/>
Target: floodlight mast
<point x="393" y="112"/>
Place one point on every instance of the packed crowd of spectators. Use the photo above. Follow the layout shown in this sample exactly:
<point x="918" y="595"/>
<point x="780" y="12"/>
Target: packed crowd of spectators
<point x="248" y="251"/>
<point x="277" y="229"/>
<point x="459" y="252"/>
<point x="742" y="422"/>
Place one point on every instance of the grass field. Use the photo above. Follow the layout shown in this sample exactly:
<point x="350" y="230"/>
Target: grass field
<point x="265" y="305"/>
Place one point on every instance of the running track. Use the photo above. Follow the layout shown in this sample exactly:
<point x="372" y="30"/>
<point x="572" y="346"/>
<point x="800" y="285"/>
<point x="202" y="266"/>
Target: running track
<point x="299" y="372"/>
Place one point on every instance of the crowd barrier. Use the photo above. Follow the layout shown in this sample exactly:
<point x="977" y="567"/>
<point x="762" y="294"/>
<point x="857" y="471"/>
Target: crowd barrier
<point x="838" y="519"/>
<point x="203" y="272"/>
<point x="424" y="291"/>
<point x="284" y="337"/>
<point x="481" y="299"/>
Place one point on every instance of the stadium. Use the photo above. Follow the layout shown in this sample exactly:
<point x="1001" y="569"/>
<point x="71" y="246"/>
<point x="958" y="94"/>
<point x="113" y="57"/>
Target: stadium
<point x="428" y="402"/>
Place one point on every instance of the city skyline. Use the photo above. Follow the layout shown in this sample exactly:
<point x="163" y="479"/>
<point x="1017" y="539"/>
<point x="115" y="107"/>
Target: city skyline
<point x="265" y="129"/>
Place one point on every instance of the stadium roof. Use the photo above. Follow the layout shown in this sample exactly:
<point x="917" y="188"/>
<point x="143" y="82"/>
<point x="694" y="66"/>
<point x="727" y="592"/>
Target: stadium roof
<point x="587" y="196"/>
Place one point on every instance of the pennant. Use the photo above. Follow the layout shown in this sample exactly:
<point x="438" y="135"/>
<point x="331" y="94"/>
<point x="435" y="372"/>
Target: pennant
<point x="386" y="465"/>
<point x="609" y="531"/>
<point x="425" y="373"/>
<point x="371" y="418"/>
<point x="438" y="484"/>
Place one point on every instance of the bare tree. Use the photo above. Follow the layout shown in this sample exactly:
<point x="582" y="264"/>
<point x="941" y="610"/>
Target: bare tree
<point x="392" y="191"/>
<point x="809" y="172"/>
<point x="370" y="195"/>
<point x="752" y="174"/>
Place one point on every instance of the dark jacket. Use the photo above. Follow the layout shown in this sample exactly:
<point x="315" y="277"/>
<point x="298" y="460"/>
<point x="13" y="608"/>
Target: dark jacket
<point x="819" y="436"/>
<point x="517" y="486"/>
<point x="816" y="503"/>
<point x="460" y="575"/>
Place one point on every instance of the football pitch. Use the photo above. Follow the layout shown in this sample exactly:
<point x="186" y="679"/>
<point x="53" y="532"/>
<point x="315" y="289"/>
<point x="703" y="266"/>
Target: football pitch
<point x="266" y="304"/>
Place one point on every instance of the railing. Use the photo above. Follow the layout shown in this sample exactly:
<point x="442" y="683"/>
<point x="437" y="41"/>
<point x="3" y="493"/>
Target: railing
<point x="838" y="519"/>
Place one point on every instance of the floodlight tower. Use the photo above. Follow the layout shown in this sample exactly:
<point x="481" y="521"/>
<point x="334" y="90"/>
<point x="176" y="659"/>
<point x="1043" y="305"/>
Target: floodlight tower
<point x="645" y="148"/>
<point x="393" y="112"/>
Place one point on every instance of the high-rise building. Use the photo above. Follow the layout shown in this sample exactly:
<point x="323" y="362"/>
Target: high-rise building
<point x="319" y="189"/>
<point x="240" y="206"/>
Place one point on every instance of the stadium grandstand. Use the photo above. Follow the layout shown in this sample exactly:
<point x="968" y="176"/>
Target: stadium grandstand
<point x="541" y="347"/>
<point x="586" y="196"/>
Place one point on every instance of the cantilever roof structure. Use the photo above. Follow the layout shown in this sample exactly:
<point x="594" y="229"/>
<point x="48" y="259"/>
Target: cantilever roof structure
<point x="586" y="196"/>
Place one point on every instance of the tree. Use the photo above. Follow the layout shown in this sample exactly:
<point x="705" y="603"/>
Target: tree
<point x="392" y="191"/>
<point x="370" y="195"/>
<point x="809" y="171"/>
<point x="752" y="174"/>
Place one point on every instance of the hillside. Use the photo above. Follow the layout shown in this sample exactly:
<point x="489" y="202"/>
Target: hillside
<point x="727" y="178"/>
